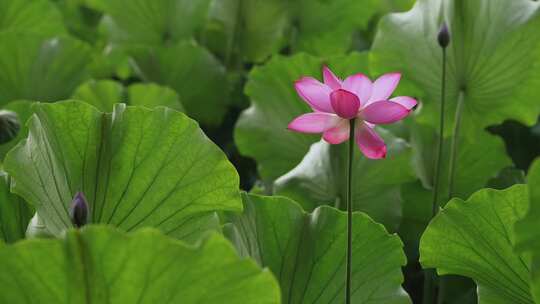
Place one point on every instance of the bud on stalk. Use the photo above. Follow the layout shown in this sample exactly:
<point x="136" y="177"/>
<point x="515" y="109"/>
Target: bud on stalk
<point x="79" y="210"/>
<point x="444" y="36"/>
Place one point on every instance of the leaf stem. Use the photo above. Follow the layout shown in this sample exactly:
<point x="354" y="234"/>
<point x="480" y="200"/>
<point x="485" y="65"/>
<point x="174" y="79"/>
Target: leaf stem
<point x="454" y="145"/>
<point x="430" y="276"/>
<point x="350" y="157"/>
<point x="438" y="159"/>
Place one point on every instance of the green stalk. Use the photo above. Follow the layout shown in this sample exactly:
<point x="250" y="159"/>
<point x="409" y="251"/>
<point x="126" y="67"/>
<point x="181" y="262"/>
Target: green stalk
<point x="350" y="157"/>
<point x="454" y="145"/>
<point x="430" y="275"/>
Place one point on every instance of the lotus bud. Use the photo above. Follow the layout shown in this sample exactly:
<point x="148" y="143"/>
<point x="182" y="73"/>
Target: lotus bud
<point x="79" y="210"/>
<point x="9" y="126"/>
<point x="444" y="36"/>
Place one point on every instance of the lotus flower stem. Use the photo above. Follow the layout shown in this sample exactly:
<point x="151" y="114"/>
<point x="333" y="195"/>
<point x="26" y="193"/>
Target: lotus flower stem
<point x="350" y="157"/>
<point x="430" y="276"/>
<point x="454" y="145"/>
<point x="438" y="159"/>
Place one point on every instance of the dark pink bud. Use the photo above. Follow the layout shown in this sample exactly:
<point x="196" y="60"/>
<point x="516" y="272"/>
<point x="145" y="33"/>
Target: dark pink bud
<point x="345" y="103"/>
<point x="444" y="36"/>
<point x="79" y="210"/>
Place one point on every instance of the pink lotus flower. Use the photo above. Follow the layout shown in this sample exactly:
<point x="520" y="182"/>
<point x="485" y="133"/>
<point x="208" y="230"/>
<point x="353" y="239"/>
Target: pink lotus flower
<point x="335" y="102"/>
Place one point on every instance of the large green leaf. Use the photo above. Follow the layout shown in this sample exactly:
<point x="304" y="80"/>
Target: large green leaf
<point x="475" y="238"/>
<point x="158" y="35"/>
<point x="321" y="179"/>
<point x="261" y="131"/>
<point x="493" y="58"/>
<point x="38" y="68"/>
<point x="154" y="22"/>
<point x="15" y="213"/>
<point x="81" y="18"/>
<point x="137" y="167"/>
<point x="192" y="71"/>
<point x="36" y="16"/>
<point x="247" y="30"/>
<point x="104" y="94"/>
<point x="327" y="27"/>
<point x="9" y="126"/>
<point x="254" y="30"/>
<point x="528" y="236"/>
<point x="22" y="108"/>
<point x="527" y="229"/>
<point x="479" y="158"/>
<point x="306" y="252"/>
<point x="101" y="265"/>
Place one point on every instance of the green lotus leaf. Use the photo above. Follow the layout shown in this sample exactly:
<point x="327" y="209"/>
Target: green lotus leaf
<point x="479" y="158"/>
<point x="82" y="18"/>
<point x="23" y="110"/>
<point x="320" y="179"/>
<point x="507" y="177"/>
<point x="254" y="30"/>
<point x="38" y="68"/>
<point x="247" y="30"/>
<point x="104" y="94"/>
<point x="36" y="16"/>
<point x="154" y="22"/>
<point x="493" y="59"/>
<point x="15" y="213"/>
<point x="261" y="131"/>
<point x="9" y="126"/>
<point x="137" y="167"/>
<point x="306" y="251"/>
<point x="527" y="234"/>
<point x="475" y="238"/>
<point x="326" y="27"/>
<point x="99" y="264"/>
<point x="192" y="71"/>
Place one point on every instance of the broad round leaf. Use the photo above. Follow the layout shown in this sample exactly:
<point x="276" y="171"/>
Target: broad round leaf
<point x="475" y="238"/>
<point x="9" y="126"/>
<point x="527" y="229"/>
<point x="254" y="30"/>
<point x="306" y="252"/>
<point x="101" y="265"/>
<point x="38" y="68"/>
<point x="479" y="158"/>
<point x="23" y="110"/>
<point x="327" y="27"/>
<point x="261" y="131"/>
<point x="137" y="167"/>
<point x="152" y="95"/>
<point x="197" y="76"/>
<point x="247" y="30"/>
<point x="154" y="22"/>
<point x="320" y="179"/>
<point x="15" y="213"/>
<point x="36" y="16"/>
<point x="528" y="236"/>
<point x="104" y="94"/>
<point x="493" y="58"/>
